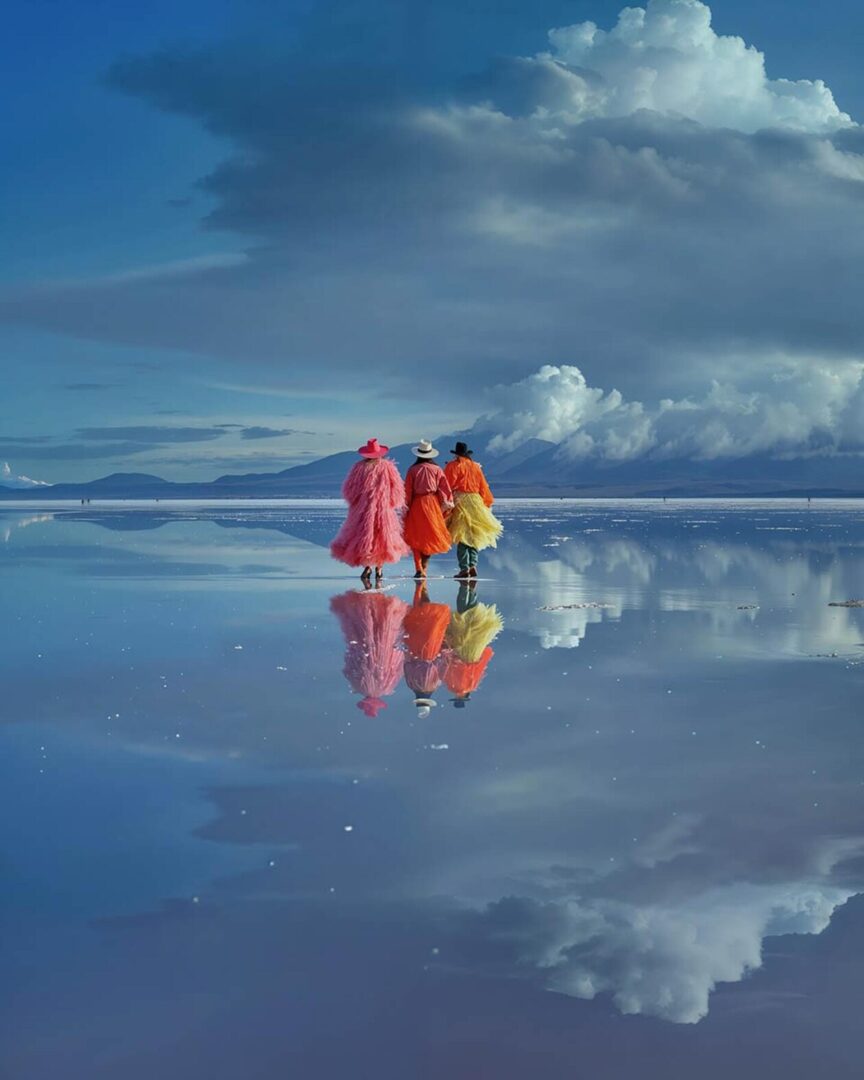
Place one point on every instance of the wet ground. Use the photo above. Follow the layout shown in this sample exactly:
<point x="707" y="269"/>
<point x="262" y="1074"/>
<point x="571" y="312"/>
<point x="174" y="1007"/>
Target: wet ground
<point x="600" y="816"/>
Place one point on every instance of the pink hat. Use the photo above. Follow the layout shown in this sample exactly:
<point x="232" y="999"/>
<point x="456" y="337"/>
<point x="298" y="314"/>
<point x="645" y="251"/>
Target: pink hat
<point x="372" y="449"/>
<point x="371" y="705"/>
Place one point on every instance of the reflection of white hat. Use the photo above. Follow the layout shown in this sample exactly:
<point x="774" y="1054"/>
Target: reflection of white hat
<point x="424" y="706"/>
<point x="424" y="449"/>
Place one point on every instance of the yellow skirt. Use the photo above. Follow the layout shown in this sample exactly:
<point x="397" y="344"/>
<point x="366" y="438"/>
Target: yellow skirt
<point x="471" y="631"/>
<point x="471" y="522"/>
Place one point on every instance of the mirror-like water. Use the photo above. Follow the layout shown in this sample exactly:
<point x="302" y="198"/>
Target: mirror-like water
<point x="600" y="815"/>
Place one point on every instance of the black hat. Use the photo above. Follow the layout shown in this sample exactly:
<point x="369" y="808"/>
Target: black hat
<point x="461" y="450"/>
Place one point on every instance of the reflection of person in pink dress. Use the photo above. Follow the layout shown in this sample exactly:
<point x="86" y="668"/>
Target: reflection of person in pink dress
<point x="372" y="625"/>
<point x="372" y="532"/>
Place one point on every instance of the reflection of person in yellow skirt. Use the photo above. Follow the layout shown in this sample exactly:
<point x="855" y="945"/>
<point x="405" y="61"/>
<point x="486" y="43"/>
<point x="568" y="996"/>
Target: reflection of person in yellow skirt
<point x="472" y="524"/>
<point x="472" y="627"/>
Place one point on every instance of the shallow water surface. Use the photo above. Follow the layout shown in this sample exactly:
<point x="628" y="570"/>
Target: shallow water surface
<point x="600" y="816"/>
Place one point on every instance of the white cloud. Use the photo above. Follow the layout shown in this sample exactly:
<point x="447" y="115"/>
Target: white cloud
<point x="792" y="408"/>
<point x="666" y="57"/>
<point x="643" y="200"/>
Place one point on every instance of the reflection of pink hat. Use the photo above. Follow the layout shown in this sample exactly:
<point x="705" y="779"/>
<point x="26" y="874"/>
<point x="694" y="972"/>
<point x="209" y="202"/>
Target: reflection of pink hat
<point x="372" y="449"/>
<point x="372" y="705"/>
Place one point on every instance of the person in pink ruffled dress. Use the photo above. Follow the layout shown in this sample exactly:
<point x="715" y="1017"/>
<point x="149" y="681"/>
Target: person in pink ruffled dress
<point x="374" y="659"/>
<point x="371" y="534"/>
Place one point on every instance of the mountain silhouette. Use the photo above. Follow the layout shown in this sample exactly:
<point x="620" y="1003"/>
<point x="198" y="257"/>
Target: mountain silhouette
<point x="534" y="468"/>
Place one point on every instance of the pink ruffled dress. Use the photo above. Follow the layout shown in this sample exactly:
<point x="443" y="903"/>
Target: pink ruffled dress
<point x="372" y="625"/>
<point x="372" y="532"/>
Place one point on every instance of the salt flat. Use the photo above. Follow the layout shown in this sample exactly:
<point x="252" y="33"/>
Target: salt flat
<point x="634" y="849"/>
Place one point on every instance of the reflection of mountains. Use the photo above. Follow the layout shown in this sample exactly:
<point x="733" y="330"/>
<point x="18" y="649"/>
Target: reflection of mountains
<point x="9" y="523"/>
<point x="725" y="568"/>
<point x="314" y="528"/>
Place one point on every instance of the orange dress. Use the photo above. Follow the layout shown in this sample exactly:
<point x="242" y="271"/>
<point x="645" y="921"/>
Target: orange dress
<point x="426" y="488"/>
<point x="425" y="626"/>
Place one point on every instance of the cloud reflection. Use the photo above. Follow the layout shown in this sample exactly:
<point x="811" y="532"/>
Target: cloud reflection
<point x="629" y="821"/>
<point x="660" y="961"/>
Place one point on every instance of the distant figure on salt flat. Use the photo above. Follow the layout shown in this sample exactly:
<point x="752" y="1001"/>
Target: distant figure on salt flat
<point x="472" y="525"/>
<point x="371" y="534"/>
<point x="427" y="496"/>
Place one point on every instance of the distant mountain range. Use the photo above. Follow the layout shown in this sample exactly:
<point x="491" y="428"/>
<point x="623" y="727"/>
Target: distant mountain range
<point x="535" y="468"/>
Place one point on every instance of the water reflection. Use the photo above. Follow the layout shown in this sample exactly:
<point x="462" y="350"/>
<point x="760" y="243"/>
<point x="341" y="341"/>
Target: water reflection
<point x="641" y="821"/>
<point x="429" y="642"/>
<point x="472" y="629"/>
<point x="371" y="623"/>
<point x="10" y="522"/>
<point x="425" y="626"/>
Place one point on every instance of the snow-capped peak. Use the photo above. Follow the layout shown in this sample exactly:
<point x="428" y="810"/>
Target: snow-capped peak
<point x="9" y="480"/>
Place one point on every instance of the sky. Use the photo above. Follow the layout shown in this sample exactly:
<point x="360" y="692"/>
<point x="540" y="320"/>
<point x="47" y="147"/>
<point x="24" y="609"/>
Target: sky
<point x="240" y="236"/>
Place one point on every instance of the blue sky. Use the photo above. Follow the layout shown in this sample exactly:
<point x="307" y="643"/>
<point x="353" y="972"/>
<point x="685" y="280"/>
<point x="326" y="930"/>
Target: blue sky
<point x="290" y="226"/>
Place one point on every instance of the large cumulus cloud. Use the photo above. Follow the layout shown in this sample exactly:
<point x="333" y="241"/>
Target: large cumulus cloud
<point x="642" y="202"/>
<point x="786" y="408"/>
<point x="668" y="58"/>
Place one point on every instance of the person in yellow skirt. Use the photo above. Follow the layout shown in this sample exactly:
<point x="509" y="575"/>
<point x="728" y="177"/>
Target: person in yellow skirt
<point x="471" y="524"/>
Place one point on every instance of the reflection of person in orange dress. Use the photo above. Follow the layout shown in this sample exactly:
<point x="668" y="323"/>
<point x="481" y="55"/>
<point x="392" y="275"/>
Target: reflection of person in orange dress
<point x="425" y="626"/>
<point x="472" y="627"/>
<point x="427" y="491"/>
<point x="372" y="625"/>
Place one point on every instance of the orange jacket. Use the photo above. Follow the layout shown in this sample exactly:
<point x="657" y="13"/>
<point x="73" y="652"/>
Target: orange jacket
<point x="467" y="476"/>
<point x="464" y="678"/>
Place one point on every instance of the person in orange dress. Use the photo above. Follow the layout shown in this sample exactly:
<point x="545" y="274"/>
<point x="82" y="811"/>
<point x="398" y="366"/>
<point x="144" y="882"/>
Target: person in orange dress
<point x="427" y="496"/>
<point x="425" y="625"/>
<point x="472" y="525"/>
<point x="473" y="626"/>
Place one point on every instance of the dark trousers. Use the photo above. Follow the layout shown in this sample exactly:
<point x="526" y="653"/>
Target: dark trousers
<point x="467" y="556"/>
<point x="466" y="598"/>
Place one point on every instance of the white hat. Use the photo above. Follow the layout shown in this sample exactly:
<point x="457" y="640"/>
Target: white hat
<point x="424" y="706"/>
<point x="424" y="449"/>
